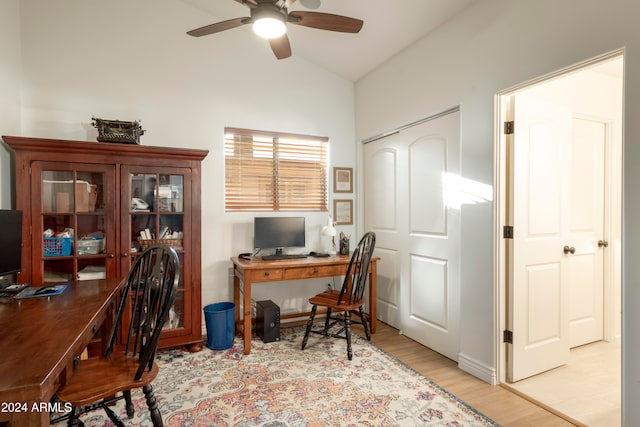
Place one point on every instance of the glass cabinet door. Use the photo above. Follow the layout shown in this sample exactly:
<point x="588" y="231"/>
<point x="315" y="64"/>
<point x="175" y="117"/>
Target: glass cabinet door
<point x="73" y="210"/>
<point x="153" y="211"/>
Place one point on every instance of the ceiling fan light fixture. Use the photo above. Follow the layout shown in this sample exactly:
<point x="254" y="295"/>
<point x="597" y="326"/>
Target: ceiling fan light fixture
<point x="269" y="28"/>
<point x="268" y="21"/>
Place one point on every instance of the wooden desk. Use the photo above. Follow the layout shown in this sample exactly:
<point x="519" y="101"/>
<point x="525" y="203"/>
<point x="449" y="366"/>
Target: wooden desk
<point x="247" y="273"/>
<point x="40" y="337"/>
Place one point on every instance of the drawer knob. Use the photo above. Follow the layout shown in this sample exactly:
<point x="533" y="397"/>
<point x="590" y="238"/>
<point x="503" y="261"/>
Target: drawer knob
<point x="266" y="273"/>
<point x="315" y="270"/>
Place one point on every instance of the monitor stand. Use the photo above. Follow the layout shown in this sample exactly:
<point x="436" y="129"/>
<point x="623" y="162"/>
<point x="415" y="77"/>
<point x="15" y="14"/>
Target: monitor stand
<point x="278" y="251"/>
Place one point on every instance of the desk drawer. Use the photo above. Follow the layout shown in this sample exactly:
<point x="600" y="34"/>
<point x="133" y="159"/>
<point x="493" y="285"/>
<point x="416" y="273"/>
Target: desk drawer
<point x="318" y="271"/>
<point x="266" y="275"/>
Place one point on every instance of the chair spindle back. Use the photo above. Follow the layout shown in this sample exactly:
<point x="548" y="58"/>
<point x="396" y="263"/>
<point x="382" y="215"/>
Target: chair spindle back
<point x="355" y="280"/>
<point x="149" y="293"/>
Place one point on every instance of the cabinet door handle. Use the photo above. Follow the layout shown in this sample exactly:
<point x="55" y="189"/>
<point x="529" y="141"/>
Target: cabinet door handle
<point x="569" y="250"/>
<point x="112" y="256"/>
<point x="125" y="254"/>
<point x="603" y="243"/>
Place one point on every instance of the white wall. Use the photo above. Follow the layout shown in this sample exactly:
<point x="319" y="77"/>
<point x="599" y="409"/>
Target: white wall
<point x="133" y="61"/>
<point x="492" y="46"/>
<point x="10" y="66"/>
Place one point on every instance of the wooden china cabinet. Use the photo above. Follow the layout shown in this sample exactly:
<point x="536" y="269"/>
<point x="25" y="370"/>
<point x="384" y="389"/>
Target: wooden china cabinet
<point x="86" y="205"/>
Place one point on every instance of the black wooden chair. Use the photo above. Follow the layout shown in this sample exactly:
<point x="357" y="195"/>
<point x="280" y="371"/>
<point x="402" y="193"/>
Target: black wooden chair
<point x="350" y="298"/>
<point x="148" y="295"/>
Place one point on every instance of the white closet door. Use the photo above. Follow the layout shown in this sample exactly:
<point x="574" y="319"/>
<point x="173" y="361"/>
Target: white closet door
<point x="412" y="202"/>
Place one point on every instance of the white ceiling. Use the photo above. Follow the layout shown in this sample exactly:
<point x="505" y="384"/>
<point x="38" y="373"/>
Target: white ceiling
<point x="389" y="27"/>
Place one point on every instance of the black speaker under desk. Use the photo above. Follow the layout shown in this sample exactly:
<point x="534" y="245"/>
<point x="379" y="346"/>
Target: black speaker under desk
<point x="267" y="321"/>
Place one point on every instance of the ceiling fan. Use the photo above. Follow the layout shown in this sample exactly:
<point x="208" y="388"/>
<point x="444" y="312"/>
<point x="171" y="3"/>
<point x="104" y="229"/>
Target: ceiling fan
<point x="269" y="19"/>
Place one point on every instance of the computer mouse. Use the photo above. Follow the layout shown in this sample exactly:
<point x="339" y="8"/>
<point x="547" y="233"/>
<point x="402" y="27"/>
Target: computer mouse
<point x="46" y="290"/>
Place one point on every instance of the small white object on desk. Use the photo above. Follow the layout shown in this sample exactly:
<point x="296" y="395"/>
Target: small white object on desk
<point x="92" y="272"/>
<point x="330" y="231"/>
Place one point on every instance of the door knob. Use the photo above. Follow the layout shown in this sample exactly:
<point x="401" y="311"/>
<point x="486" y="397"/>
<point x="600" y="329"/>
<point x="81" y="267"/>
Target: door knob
<point x="603" y="243"/>
<point x="569" y="250"/>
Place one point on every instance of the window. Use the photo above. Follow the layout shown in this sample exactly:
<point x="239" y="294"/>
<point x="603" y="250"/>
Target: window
<point x="268" y="171"/>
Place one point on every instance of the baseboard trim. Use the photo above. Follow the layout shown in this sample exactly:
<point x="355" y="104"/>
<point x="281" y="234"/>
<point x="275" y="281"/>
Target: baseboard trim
<point x="477" y="369"/>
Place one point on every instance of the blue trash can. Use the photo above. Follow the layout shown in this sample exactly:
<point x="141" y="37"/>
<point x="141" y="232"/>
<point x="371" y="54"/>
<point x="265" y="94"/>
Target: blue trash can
<point x="220" y="320"/>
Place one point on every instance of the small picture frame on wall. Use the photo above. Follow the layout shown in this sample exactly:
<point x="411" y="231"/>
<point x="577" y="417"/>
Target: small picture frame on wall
<point x="343" y="212"/>
<point x="342" y="180"/>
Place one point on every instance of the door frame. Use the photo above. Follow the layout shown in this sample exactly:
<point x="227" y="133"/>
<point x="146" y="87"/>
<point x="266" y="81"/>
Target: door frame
<point x="501" y="215"/>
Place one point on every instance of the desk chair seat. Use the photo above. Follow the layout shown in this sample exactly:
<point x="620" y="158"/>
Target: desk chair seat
<point x="148" y="295"/>
<point x="350" y="298"/>
<point x="101" y="377"/>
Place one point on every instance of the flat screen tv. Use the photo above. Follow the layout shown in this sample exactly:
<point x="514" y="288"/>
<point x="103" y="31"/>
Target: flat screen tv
<point x="10" y="242"/>
<point x="278" y="233"/>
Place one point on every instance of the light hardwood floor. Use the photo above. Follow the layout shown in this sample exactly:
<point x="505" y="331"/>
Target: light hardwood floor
<point x="496" y="402"/>
<point x="588" y="388"/>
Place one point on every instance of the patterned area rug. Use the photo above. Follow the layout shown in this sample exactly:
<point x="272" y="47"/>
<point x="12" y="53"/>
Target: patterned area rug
<point x="279" y="385"/>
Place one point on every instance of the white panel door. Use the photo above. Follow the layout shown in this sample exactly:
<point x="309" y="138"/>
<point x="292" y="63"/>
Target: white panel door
<point x="538" y="300"/>
<point x="381" y="216"/>
<point x="585" y="267"/>
<point x="417" y="229"/>
<point x="558" y="204"/>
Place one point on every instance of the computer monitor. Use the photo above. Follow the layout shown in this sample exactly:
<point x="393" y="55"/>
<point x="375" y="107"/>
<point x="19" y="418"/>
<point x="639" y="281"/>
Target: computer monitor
<point x="10" y="242"/>
<point x="278" y="233"/>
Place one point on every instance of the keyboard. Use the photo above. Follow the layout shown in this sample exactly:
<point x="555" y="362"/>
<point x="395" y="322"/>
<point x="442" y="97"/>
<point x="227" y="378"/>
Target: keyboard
<point x="285" y="256"/>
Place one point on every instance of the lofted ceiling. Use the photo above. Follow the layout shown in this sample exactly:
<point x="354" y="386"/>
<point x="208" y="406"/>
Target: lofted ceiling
<point x="390" y="26"/>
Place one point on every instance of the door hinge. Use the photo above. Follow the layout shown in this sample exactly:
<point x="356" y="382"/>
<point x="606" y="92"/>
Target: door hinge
<point x="508" y="128"/>
<point x="507" y="336"/>
<point x="507" y="232"/>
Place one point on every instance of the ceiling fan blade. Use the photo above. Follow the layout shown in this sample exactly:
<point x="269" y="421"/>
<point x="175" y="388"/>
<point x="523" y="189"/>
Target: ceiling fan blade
<point x="218" y="26"/>
<point x="325" y="21"/>
<point x="281" y="47"/>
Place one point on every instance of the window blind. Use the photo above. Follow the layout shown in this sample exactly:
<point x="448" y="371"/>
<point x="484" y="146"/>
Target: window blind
<point x="268" y="171"/>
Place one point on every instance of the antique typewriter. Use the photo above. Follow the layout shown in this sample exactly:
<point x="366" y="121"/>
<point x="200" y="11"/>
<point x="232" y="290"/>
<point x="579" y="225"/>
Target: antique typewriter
<point x="118" y="131"/>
